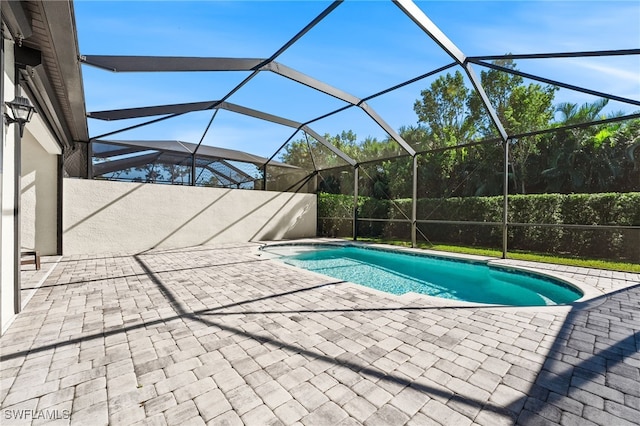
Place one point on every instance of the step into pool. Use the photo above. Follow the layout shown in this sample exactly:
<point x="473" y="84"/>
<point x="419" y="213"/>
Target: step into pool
<point x="402" y="272"/>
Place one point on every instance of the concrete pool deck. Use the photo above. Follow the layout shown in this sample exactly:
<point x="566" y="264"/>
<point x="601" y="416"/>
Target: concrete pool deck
<point x="218" y="335"/>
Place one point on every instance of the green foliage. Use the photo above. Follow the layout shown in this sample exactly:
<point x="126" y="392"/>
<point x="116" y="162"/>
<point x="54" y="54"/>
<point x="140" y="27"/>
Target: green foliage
<point x="336" y="181"/>
<point x="599" y="158"/>
<point x="443" y="108"/>
<point x="311" y="154"/>
<point x="594" y="159"/>
<point x="338" y="211"/>
<point x="520" y="255"/>
<point x="335" y="205"/>
<point x="573" y="114"/>
<point x="558" y="209"/>
<point x="298" y="153"/>
<point x="520" y="108"/>
<point x="583" y="175"/>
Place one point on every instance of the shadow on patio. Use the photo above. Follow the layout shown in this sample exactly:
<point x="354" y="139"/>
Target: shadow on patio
<point x="208" y="335"/>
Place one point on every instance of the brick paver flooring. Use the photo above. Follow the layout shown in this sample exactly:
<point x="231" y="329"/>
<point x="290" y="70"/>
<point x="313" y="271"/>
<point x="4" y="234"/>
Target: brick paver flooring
<point x="217" y="335"/>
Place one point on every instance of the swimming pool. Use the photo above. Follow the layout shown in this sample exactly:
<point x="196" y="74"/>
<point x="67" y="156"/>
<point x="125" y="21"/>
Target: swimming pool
<point x="403" y="272"/>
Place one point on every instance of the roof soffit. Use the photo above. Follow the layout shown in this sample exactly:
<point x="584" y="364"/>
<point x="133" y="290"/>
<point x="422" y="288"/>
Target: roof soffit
<point x="53" y="33"/>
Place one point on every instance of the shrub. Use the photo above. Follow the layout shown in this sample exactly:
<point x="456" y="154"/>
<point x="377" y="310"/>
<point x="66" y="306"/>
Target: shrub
<point x="621" y="209"/>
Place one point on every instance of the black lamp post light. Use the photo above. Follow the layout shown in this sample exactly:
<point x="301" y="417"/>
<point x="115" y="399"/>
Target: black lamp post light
<point x="21" y="112"/>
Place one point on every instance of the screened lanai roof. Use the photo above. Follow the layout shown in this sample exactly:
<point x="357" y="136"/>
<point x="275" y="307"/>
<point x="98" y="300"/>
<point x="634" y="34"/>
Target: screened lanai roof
<point x="301" y="90"/>
<point x="113" y="148"/>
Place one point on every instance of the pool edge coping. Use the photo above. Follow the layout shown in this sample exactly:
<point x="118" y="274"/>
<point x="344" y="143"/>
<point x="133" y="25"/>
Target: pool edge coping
<point x="589" y="292"/>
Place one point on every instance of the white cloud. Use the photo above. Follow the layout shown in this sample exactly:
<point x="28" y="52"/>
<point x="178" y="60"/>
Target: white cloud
<point x="623" y="76"/>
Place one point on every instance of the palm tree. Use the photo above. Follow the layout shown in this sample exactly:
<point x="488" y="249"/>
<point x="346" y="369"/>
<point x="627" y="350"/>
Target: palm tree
<point x="590" y="159"/>
<point x="573" y="114"/>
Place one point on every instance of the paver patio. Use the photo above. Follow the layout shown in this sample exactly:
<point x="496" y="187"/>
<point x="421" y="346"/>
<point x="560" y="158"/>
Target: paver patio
<point x="218" y="335"/>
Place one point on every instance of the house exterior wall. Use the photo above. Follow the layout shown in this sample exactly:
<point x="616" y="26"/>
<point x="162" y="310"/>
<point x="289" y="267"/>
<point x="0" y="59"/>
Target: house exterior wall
<point x="104" y="216"/>
<point x="8" y="255"/>
<point x="39" y="190"/>
<point x="39" y="60"/>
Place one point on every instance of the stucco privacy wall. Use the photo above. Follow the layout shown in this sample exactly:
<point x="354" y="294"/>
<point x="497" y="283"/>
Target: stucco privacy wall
<point x="105" y="216"/>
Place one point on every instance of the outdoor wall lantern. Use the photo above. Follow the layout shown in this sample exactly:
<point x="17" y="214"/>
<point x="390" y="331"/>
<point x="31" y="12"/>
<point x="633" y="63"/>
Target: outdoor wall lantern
<point x="21" y="112"/>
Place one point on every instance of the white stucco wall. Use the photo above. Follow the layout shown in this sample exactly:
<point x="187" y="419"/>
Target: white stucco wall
<point x="7" y="205"/>
<point x="102" y="216"/>
<point x="38" y="201"/>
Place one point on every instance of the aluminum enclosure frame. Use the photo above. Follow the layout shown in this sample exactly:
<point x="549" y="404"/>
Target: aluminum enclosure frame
<point x="257" y="65"/>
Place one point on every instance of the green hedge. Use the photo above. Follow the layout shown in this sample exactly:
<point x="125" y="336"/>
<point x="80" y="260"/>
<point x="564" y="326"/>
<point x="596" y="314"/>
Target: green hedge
<point x="581" y="209"/>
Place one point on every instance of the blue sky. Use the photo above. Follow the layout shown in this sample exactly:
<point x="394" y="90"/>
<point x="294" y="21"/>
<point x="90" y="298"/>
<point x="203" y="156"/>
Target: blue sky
<point x="361" y="48"/>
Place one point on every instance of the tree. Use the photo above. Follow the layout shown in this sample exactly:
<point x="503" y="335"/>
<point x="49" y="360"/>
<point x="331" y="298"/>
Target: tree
<point x="212" y="181"/>
<point x="498" y="86"/>
<point x="443" y="110"/>
<point x="310" y="154"/>
<point x="417" y="136"/>
<point x="151" y="172"/>
<point x="571" y="113"/>
<point x="454" y="115"/>
<point x="569" y="156"/>
<point x="597" y="158"/>
<point x="520" y="108"/>
<point x="178" y="173"/>
<point x="297" y="153"/>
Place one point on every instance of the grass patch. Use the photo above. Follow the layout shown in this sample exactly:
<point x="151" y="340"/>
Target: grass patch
<point x="519" y="255"/>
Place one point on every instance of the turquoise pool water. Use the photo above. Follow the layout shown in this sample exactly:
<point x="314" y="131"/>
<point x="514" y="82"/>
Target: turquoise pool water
<point x="399" y="273"/>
